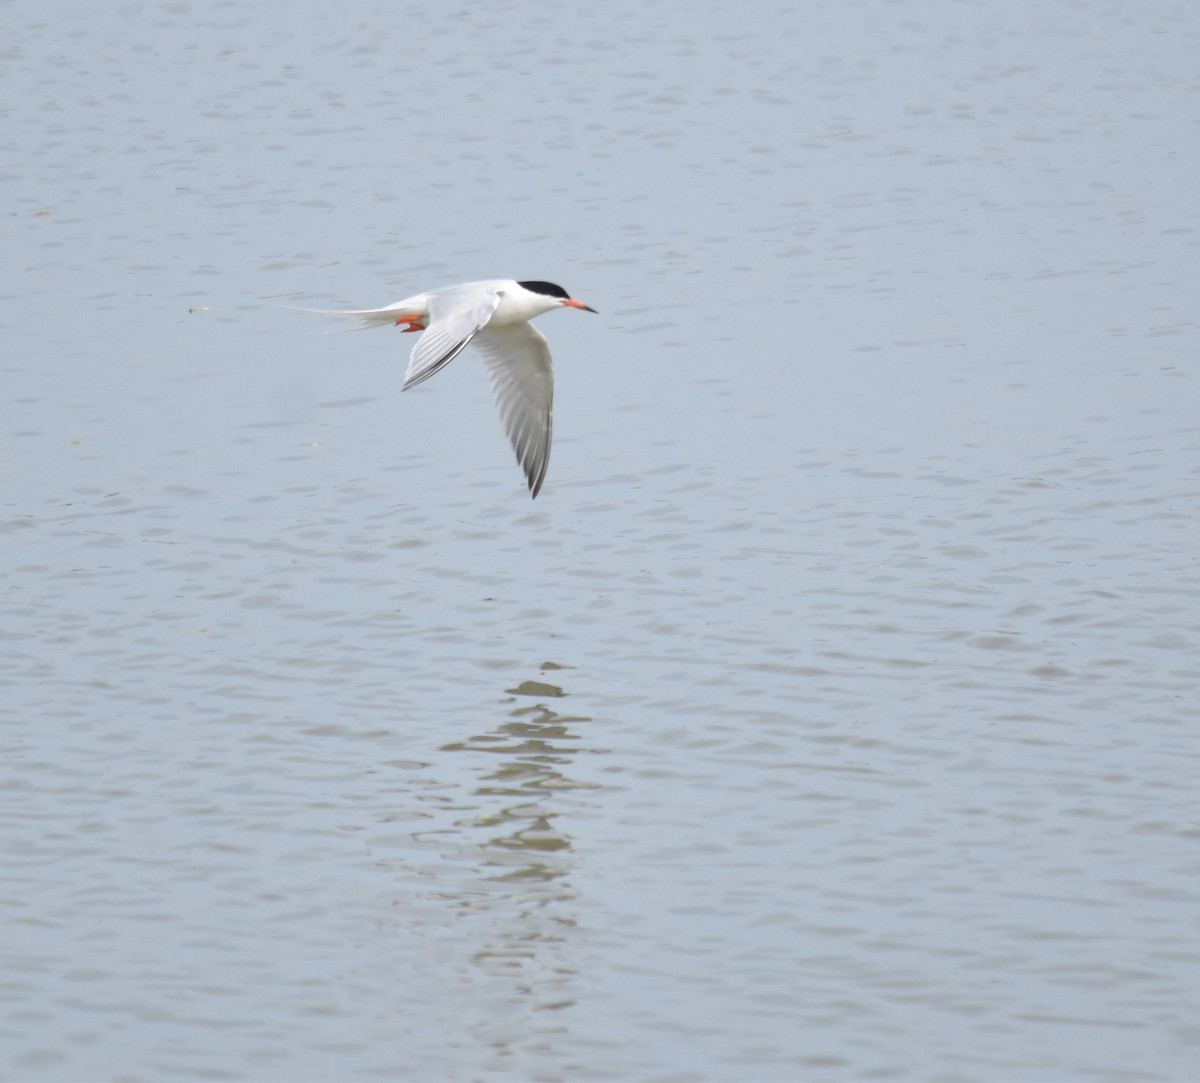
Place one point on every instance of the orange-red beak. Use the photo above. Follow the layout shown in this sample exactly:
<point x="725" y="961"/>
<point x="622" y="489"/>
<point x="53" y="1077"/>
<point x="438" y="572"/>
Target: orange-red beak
<point x="573" y="302"/>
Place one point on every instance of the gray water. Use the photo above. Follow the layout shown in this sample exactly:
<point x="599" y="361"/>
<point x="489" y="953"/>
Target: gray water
<point x="831" y="714"/>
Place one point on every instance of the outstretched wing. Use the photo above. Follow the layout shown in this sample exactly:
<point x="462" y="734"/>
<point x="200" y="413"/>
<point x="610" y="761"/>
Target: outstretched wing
<point x="456" y="315"/>
<point x="518" y="360"/>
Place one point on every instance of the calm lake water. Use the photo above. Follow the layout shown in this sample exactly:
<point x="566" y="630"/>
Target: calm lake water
<point x="831" y="715"/>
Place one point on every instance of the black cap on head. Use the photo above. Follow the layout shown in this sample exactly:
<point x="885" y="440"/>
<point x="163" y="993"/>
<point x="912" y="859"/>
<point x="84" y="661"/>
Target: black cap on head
<point x="548" y="288"/>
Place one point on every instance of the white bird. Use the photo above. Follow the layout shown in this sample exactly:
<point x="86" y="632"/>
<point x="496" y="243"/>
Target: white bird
<point x="493" y="315"/>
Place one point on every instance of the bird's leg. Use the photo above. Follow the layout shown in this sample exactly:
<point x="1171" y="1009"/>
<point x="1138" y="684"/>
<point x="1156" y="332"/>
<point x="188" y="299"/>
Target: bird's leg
<point x="414" y="323"/>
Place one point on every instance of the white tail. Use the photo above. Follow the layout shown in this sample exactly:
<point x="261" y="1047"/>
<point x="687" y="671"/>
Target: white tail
<point x="366" y="317"/>
<point x="410" y="311"/>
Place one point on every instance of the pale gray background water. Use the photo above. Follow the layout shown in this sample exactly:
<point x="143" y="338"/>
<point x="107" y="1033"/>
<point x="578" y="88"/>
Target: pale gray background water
<point x="867" y="552"/>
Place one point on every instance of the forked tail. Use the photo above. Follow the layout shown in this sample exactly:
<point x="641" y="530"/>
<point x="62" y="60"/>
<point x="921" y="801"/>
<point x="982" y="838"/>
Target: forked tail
<point x="366" y="317"/>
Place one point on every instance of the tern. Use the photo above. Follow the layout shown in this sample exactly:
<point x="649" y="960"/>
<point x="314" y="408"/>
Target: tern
<point x="493" y="316"/>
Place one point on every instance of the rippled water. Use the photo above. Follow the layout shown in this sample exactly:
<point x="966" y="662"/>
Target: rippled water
<point x="830" y="715"/>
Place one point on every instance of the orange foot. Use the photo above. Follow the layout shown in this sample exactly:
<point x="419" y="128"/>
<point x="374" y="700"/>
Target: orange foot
<point x="414" y="323"/>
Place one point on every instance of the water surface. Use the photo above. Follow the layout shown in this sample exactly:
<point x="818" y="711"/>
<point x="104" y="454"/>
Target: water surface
<point x="832" y="712"/>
